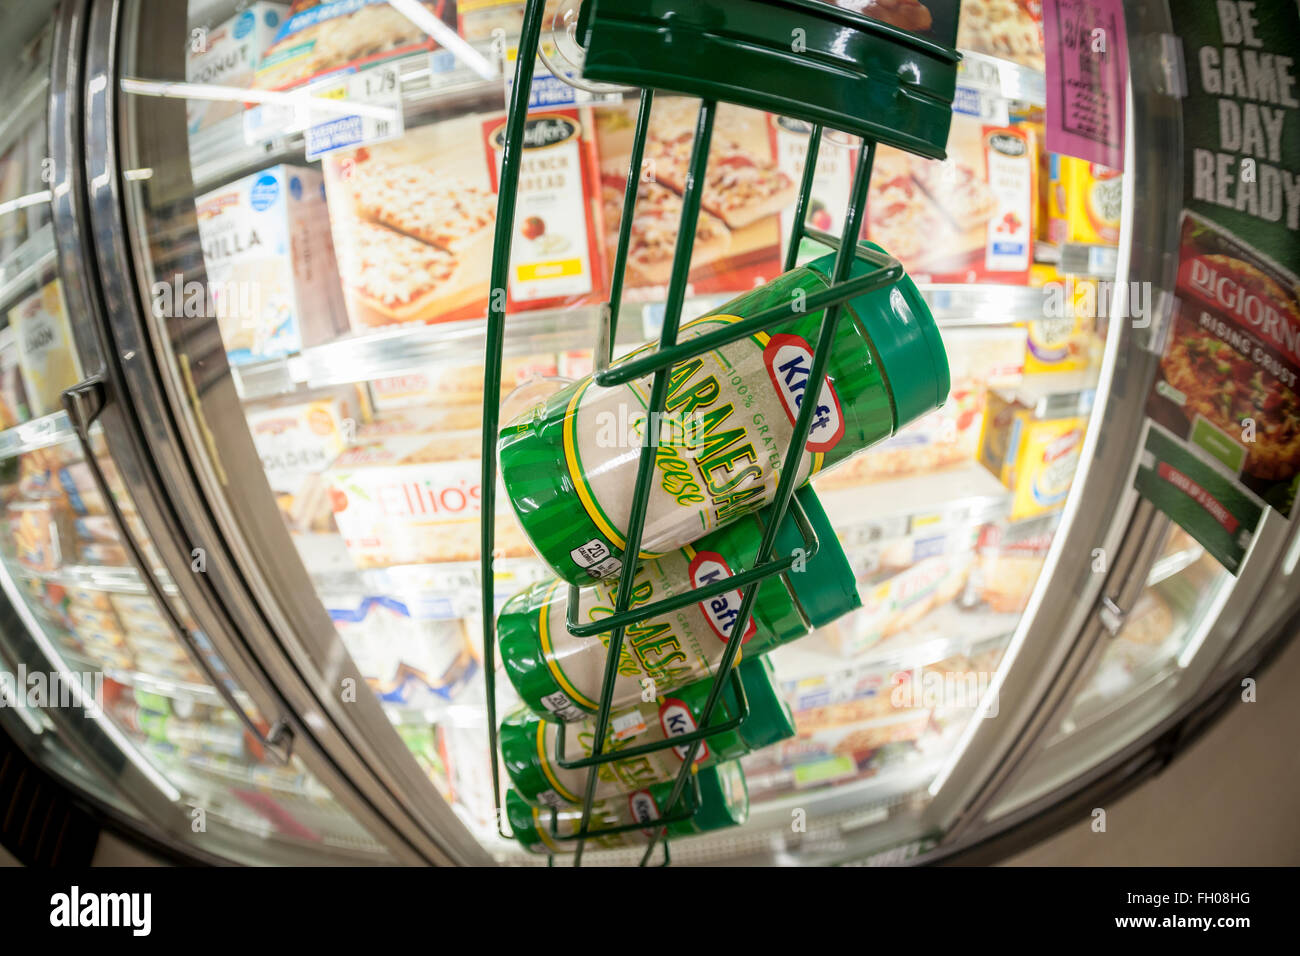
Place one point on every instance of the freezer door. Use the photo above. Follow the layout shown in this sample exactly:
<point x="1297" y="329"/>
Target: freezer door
<point x="117" y="670"/>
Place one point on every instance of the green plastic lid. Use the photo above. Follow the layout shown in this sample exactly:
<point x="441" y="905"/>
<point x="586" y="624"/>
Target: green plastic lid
<point x="905" y="338"/>
<point x="724" y="800"/>
<point x="519" y="737"/>
<point x="826" y="586"/>
<point x="769" y="719"/>
<point x="522" y="822"/>
<point x="520" y="641"/>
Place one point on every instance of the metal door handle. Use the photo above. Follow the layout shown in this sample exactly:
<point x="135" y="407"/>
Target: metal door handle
<point x="84" y="402"/>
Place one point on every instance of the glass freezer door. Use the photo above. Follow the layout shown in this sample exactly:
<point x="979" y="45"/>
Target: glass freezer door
<point x="100" y="651"/>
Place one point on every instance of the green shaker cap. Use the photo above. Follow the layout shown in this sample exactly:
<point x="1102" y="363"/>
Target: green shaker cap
<point x="826" y="587"/>
<point x="521" y="650"/>
<point x="724" y="800"/>
<point x="769" y="718"/>
<point x="522" y="824"/>
<point x="518" y="739"/>
<point x="905" y="338"/>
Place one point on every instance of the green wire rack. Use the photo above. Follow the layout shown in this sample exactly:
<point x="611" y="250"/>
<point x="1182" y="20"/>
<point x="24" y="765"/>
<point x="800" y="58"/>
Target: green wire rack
<point x="853" y="74"/>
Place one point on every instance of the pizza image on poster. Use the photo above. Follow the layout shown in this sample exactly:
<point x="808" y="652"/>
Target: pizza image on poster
<point x="1228" y="387"/>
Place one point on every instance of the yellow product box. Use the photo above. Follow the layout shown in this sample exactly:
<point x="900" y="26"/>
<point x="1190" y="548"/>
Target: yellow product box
<point x="1065" y="338"/>
<point x="46" y="353"/>
<point x="1083" y="201"/>
<point x="1033" y="455"/>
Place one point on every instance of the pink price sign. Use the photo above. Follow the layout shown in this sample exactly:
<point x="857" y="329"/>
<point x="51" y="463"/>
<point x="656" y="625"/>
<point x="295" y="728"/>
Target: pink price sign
<point x="1087" y="70"/>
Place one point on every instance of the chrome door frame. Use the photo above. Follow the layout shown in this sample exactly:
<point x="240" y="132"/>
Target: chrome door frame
<point x="255" y="600"/>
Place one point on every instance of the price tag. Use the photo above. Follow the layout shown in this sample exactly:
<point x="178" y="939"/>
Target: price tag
<point x="628" y="724"/>
<point x="549" y="92"/>
<point x="378" y="91"/>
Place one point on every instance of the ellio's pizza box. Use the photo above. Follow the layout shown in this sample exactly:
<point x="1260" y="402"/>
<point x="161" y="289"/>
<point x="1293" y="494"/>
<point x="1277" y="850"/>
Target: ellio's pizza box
<point x="415" y="498"/>
<point x="1225" y="433"/>
<point x="414" y="219"/>
<point x="745" y="190"/>
<point x="969" y="218"/>
<point x="320" y="38"/>
<point x="270" y="265"/>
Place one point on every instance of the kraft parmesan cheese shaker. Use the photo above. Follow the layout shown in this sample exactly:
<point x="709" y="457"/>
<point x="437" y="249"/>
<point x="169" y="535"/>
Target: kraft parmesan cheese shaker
<point x="724" y="802"/>
<point x="569" y="465"/>
<point x="558" y="674"/>
<point x="530" y="745"/>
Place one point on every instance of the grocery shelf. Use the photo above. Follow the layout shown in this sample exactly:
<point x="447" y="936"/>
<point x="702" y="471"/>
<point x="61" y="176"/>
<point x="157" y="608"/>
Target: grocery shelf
<point x="405" y="349"/>
<point x="119" y="580"/>
<point x="1086" y="259"/>
<point x="24" y="269"/>
<point x="944" y="632"/>
<point x="38" y="433"/>
<point x="433" y="86"/>
<point x="1002" y="78"/>
<point x="936" y="500"/>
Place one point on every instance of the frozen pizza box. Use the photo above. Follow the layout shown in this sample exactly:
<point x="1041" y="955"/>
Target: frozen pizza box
<point x="46" y="353"/>
<point x="414" y="219"/>
<point x="1228" y="386"/>
<point x="298" y="440"/>
<point x="319" y="38"/>
<point x="1007" y="29"/>
<point x="414" y="498"/>
<point x="1084" y="201"/>
<point x="748" y="184"/>
<point x="448" y="389"/>
<point x="969" y="218"/>
<point x="270" y="265"/>
<point x="228" y="55"/>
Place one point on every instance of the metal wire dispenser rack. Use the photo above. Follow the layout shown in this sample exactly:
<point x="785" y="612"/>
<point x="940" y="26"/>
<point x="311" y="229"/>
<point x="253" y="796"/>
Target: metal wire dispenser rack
<point x="805" y="59"/>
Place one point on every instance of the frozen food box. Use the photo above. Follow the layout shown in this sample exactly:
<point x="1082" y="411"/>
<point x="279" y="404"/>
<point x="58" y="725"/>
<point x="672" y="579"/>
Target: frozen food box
<point x="407" y="660"/>
<point x="270" y="264"/>
<point x="1084" y="201"/>
<point x="1031" y="449"/>
<point x="948" y="436"/>
<point x="747" y="185"/>
<point x="296" y="440"/>
<point x="414" y="219"/>
<point x="1011" y="555"/>
<point x="46" y="353"/>
<point x="1007" y="29"/>
<point x="319" y="38"/>
<point x="832" y="181"/>
<point x="894" y="601"/>
<point x="969" y="218"/>
<point x="228" y="55"/>
<point x="41" y="532"/>
<point x="415" y="499"/>
<point x="13" y="395"/>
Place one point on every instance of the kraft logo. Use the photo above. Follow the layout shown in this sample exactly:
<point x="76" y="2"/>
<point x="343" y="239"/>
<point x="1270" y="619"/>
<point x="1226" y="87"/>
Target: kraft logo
<point x="789" y="365"/>
<point x="643" y="806"/>
<point x="676" y="720"/>
<point x="721" y="610"/>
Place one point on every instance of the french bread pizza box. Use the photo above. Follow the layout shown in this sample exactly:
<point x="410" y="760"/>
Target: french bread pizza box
<point x="320" y="37"/>
<point x="415" y="498"/>
<point x="414" y="220"/>
<point x="968" y="218"/>
<point x="739" y="231"/>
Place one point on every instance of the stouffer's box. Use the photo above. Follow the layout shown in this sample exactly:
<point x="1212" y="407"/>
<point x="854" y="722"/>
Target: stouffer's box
<point x="414" y="220"/>
<point x="969" y="218"/>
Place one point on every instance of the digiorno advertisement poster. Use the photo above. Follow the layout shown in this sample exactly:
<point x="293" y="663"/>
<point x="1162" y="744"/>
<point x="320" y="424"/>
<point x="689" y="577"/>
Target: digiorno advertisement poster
<point x="1223" y="439"/>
